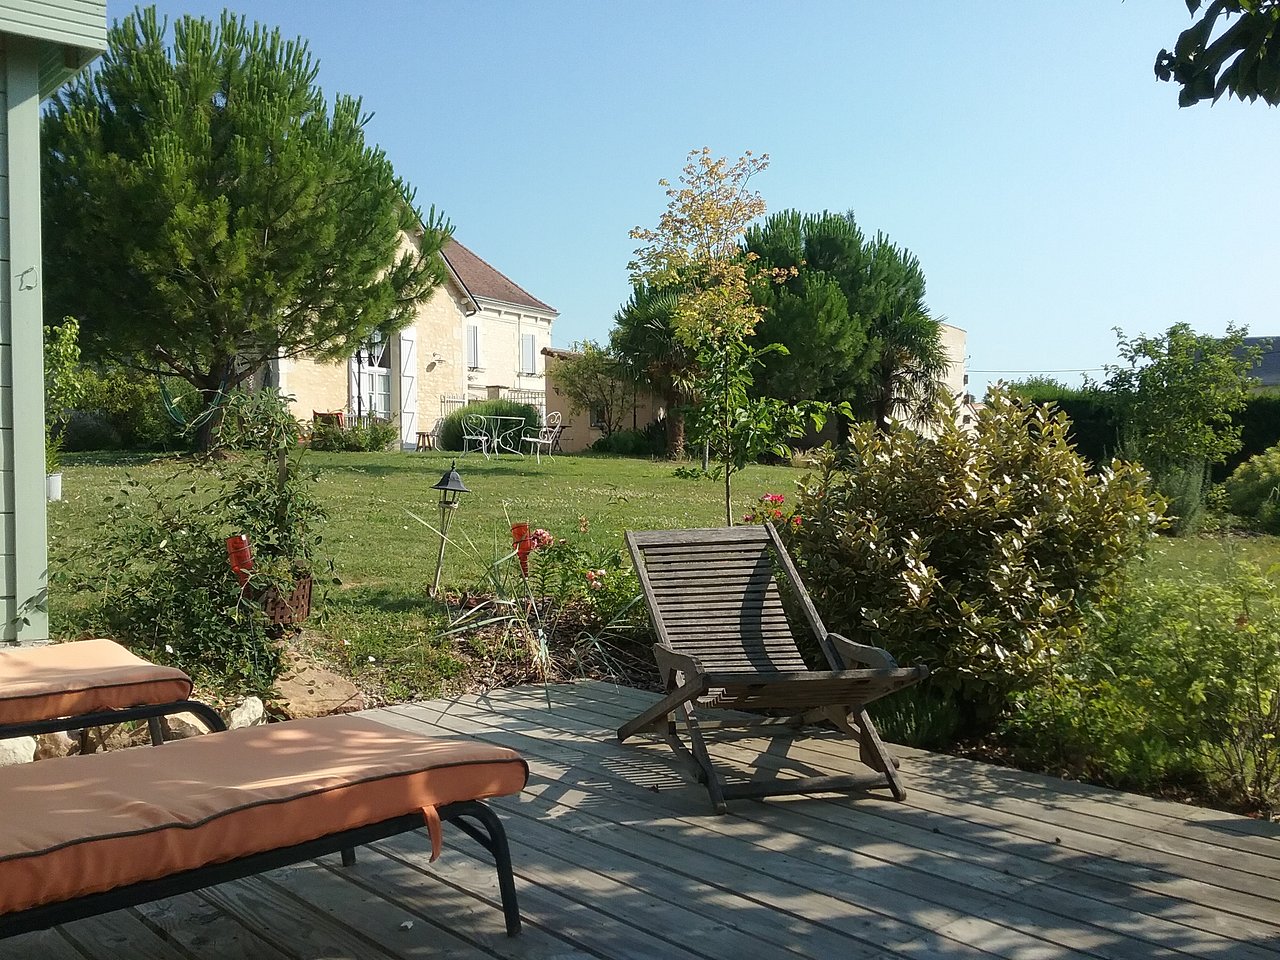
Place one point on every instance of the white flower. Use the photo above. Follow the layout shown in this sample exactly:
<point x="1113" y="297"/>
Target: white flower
<point x="168" y="648"/>
<point x="371" y="660"/>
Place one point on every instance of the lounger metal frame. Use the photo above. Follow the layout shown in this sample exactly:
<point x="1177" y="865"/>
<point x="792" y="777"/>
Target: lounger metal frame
<point x="487" y="830"/>
<point x="151" y="712"/>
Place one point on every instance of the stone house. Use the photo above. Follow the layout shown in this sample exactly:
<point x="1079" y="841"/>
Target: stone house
<point x="42" y="45"/>
<point x="480" y="336"/>
<point x="581" y="428"/>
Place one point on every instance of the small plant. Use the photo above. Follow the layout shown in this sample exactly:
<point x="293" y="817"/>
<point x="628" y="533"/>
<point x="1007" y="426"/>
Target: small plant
<point x="62" y="386"/>
<point x="769" y="508"/>
<point x="370" y="437"/>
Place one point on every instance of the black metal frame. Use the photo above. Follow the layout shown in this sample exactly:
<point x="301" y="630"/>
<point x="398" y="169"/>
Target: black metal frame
<point x="151" y="712"/>
<point x="489" y="833"/>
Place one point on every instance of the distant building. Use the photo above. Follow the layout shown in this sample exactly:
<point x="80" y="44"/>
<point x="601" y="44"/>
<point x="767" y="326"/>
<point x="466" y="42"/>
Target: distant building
<point x="1267" y="372"/>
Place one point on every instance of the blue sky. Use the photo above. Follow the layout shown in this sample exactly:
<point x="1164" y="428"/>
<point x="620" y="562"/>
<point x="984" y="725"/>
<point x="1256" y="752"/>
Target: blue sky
<point x="1051" y="188"/>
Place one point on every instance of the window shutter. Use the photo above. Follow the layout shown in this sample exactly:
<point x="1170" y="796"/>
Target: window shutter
<point x="528" y="360"/>
<point x="473" y="346"/>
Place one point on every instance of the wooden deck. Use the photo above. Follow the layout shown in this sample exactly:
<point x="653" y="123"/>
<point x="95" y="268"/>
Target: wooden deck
<point x="617" y="856"/>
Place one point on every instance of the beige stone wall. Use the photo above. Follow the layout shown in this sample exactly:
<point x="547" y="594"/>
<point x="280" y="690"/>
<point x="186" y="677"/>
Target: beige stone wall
<point x="442" y="358"/>
<point x="578" y="434"/>
<point x="315" y="387"/>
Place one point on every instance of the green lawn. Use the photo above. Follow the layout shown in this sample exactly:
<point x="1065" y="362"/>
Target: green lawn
<point x="385" y="557"/>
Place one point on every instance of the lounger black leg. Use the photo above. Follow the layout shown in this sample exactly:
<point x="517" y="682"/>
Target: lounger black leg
<point x="348" y="856"/>
<point x="156" y="731"/>
<point x="495" y="841"/>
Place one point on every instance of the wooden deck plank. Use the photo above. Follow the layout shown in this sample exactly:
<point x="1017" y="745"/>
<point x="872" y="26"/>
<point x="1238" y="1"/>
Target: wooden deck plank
<point x="900" y="891"/>
<point x="1183" y="938"/>
<point x="119" y="934"/>
<point x="1217" y="887"/>
<point x="197" y="928"/>
<point x="995" y="884"/>
<point x="45" y="944"/>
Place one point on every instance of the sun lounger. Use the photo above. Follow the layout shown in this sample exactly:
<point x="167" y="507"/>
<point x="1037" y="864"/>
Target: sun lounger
<point x="87" y="835"/>
<point x="89" y="683"/>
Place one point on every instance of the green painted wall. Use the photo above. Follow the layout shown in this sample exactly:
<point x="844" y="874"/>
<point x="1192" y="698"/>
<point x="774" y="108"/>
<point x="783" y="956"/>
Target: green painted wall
<point x="22" y="615"/>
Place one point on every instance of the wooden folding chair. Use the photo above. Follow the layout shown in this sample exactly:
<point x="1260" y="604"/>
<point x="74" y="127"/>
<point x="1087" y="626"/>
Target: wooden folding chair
<point x="724" y="642"/>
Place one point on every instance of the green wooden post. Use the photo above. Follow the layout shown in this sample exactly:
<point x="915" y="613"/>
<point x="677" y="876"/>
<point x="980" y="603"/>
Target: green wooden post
<point x="25" y="618"/>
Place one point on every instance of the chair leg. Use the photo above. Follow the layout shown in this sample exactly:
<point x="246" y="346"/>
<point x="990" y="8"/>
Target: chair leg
<point x="156" y="731"/>
<point x="349" y="856"/>
<point x="877" y="756"/>
<point x="495" y="841"/>
<point x="703" y="758"/>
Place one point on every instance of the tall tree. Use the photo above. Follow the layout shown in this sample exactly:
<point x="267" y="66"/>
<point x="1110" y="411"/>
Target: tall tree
<point x="907" y="378"/>
<point x="1242" y="59"/>
<point x="644" y="339"/>
<point x="206" y="209"/>
<point x="812" y="309"/>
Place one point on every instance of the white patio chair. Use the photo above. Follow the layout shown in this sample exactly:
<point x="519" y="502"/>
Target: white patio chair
<point x="545" y="438"/>
<point x="475" y="430"/>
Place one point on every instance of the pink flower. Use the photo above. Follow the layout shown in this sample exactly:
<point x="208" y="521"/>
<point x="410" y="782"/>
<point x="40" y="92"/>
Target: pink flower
<point x="795" y="521"/>
<point x="541" y="539"/>
<point x="748" y="517"/>
<point x="774" y="498"/>
<point x="777" y="514"/>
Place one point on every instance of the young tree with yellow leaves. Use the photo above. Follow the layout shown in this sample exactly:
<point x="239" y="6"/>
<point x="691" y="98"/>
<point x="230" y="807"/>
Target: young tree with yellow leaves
<point x="695" y="251"/>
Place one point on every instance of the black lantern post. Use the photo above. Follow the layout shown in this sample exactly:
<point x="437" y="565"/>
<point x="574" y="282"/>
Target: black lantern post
<point x="450" y="487"/>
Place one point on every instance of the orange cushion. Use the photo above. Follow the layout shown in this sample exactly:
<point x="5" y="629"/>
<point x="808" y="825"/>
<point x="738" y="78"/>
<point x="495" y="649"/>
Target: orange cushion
<point x="68" y="679"/>
<point x="79" y="825"/>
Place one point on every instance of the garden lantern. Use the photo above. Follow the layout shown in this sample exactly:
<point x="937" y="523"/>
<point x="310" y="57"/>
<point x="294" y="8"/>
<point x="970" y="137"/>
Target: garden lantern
<point x="450" y="487"/>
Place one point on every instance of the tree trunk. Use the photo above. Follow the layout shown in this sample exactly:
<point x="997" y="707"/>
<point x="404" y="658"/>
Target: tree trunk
<point x="675" y="433"/>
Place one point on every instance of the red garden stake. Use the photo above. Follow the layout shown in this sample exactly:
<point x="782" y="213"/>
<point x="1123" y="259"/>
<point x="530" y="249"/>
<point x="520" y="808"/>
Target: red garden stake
<point x="240" y="557"/>
<point x="522" y="545"/>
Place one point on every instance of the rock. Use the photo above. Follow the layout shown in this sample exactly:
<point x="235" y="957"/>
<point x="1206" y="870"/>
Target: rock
<point x="312" y="691"/>
<point x="117" y="737"/>
<point x="181" y="726"/>
<point x="17" y="750"/>
<point x="50" y="745"/>
<point x="249" y="714"/>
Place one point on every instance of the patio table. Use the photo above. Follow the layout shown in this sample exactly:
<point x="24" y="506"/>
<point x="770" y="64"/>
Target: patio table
<point x="505" y="433"/>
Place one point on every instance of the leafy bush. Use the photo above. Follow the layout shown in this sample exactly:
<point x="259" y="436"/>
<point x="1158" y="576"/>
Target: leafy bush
<point x="450" y="437"/>
<point x="975" y="553"/>
<point x="1180" y="680"/>
<point x="1253" y="490"/>
<point x="118" y="408"/>
<point x="370" y="437"/>
<point x="1094" y="428"/>
<point x="649" y="442"/>
<point x="159" y="569"/>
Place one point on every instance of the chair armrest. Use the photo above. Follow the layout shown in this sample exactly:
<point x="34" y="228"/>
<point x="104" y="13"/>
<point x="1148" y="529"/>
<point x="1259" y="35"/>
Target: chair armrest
<point x="863" y="653"/>
<point x="668" y="661"/>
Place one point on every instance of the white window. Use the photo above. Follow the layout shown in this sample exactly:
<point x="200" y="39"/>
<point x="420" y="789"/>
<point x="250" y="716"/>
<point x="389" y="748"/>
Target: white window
<point x="528" y="353"/>
<point x="375" y="377"/>
<point x="473" y="346"/>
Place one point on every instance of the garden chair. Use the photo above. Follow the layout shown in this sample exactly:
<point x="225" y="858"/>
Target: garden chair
<point x="545" y="438"/>
<point x="475" y="430"/>
<point x="725" y="643"/>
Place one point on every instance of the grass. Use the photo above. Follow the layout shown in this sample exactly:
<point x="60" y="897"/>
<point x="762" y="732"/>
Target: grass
<point x="379" y="624"/>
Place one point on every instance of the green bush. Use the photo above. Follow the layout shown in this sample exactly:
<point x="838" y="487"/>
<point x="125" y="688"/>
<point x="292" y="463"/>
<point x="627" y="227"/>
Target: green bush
<point x="370" y="437"/>
<point x="1253" y="490"/>
<point x="123" y="409"/>
<point x="1094" y="427"/>
<point x="649" y="442"/>
<point x="450" y="437"/>
<point x="1179" y="681"/>
<point x="975" y="553"/>
<point x="159" y="572"/>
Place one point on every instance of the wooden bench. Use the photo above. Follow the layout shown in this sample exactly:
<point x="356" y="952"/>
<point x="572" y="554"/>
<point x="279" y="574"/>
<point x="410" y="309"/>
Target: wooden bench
<point x="87" y="835"/>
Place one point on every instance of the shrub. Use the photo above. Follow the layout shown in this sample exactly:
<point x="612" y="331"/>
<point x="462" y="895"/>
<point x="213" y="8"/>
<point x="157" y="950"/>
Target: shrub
<point x="649" y="442"/>
<point x="975" y="553"/>
<point x="1179" y="680"/>
<point x="450" y="437"/>
<point x="159" y="570"/>
<point x="118" y="408"/>
<point x="1253" y="490"/>
<point x="370" y="437"/>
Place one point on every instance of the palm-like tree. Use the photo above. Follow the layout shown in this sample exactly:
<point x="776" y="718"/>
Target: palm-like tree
<point x="644" y="337"/>
<point x="908" y="378"/>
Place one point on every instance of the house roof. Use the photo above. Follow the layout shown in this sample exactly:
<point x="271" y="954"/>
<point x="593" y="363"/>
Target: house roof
<point x="482" y="280"/>
<point x="1268" y="369"/>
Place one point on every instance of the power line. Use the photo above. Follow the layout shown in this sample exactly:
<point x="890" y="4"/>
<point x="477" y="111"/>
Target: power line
<point x="1067" y="370"/>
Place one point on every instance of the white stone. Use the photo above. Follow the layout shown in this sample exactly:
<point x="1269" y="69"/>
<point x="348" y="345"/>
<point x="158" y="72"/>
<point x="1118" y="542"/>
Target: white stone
<point x="50" y="745"/>
<point x="248" y="714"/>
<point x="17" y="750"/>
